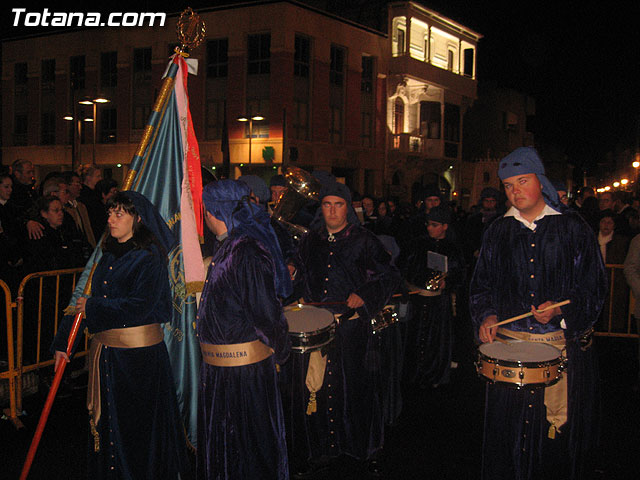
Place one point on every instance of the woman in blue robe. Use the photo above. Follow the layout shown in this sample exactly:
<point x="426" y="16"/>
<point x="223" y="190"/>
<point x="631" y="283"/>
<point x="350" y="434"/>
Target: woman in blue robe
<point x="240" y="421"/>
<point x="135" y="421"/>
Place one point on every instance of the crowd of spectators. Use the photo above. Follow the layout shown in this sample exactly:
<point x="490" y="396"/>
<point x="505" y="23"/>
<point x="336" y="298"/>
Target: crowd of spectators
<point x="50" y="225"/>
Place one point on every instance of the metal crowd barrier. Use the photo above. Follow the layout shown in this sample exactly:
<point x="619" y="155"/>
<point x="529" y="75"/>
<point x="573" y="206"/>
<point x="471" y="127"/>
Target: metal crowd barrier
<point x="11" y="373"/>
<point x="44" y="302"/>
<point x="616" y="320"/>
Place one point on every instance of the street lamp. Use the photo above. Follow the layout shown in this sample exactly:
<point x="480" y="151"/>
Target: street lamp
<point x="94" y="101"/>
<point x="250" y="119"/>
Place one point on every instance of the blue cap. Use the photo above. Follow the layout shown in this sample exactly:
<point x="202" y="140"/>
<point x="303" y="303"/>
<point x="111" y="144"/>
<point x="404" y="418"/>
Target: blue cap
<point x="524" y="161"/>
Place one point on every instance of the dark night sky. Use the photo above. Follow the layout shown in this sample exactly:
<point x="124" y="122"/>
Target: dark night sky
<point x="579" y="60"/>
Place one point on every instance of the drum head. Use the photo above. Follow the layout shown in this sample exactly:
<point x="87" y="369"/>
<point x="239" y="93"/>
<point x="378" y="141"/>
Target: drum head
<point x="304" y="318"/>
<point x="517" y="351"/>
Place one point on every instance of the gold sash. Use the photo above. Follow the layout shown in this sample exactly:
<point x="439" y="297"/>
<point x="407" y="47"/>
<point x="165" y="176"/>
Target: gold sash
<point x="235" y="354"/>
<point x="555" y="396"/>
<point x="129" y="337"/>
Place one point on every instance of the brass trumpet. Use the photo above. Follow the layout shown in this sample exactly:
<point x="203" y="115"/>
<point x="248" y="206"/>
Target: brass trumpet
<point x="433" y="282"/>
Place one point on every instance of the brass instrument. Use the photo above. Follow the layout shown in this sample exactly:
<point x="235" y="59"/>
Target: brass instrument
<point x="302" y="188"/>
<point x="433" y="282"/>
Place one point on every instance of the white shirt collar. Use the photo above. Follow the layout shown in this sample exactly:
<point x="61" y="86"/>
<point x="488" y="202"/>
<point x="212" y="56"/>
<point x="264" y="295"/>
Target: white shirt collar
<point x="515" y="213"/>
<point x="3" y="202"/>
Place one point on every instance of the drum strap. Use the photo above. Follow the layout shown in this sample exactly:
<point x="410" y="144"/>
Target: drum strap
<point x="315" y="377"/>
<point x="555" y="396"/>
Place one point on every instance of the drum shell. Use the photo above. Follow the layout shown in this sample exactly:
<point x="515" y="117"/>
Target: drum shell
<point x="310" y="328"/>
<point x="302" y="342"/>
<point x="517" y="374"/>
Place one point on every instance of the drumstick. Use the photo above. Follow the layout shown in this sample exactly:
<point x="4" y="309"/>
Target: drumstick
<point x="413" y="292"/>
<point x="502" y="340"/>
<point x="528" y="314"/>
<point x="323" y="303"/>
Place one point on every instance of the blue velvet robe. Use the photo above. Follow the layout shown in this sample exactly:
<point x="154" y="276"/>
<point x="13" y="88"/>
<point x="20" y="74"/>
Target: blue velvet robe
<point x="517" y="268"/>
<point x="141" y="435"/>
<point x="240" y="421"/>
<point x="349" y="418"/>
<point x="431" y="327"/>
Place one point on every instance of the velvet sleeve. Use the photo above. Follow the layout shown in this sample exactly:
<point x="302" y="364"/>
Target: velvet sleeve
<point x="382" y="277"/>
<point x="62" y="335"/>
<point x="588" y="287"/>
<point x="457" y="268"/>
<point x="481" y="301"/>
<point x="145" y="290"/>
<point x="297" y="260"/>
<point x="254" y="279"/>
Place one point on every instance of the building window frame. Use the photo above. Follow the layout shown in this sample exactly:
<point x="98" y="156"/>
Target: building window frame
<point x="218" y="58"/>
<point x="259" y="54"/>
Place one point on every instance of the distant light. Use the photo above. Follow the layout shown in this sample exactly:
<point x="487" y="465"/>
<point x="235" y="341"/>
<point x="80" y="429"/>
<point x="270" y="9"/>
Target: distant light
<point x="275" y="168"/>
<point x="68" y="117"/>
<point x="636" y="164"/>
<point x="455" y="194"/>
<point x="450" y="167"/>
<point x="242" y="119"/>
<point x="88" y="119"/>
<point x="257" y="117"/>
<point x="213" y="168"/>
<point x="607" y="188"/>
<point x="616" y="184"/>
<point x="119" y="165"/>
<point x="242" y="164"/>
<point x="624" y="181"/>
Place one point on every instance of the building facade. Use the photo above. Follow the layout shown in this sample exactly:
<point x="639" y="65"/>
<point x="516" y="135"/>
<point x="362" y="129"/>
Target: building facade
<point x="382" y="110"/>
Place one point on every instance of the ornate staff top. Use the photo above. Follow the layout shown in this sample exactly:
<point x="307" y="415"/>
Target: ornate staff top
<point x="191" y="31"/>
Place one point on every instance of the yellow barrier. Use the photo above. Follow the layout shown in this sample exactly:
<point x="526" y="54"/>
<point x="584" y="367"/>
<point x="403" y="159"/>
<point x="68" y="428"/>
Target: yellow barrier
<point x="12" y="372"/>
<point x="43" y="320"/>
<point x="616" y="317"/>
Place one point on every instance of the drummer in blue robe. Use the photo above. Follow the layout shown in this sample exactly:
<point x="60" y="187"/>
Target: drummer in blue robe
<point x="536" y="255"/>
<point x="243" y="336"/>
<point x="346" y="269"/>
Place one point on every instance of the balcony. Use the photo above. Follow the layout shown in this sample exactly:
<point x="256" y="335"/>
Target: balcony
<point x="416" y="144"/>
<point x="409" y="66"/>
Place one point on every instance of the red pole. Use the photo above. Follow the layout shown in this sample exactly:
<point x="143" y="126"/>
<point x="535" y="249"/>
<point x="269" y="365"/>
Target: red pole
<point x="55" y="384"/>
<point x="50" y="397"/>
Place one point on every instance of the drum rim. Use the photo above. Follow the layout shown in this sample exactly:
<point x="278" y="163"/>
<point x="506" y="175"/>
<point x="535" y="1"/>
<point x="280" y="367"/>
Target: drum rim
<point x="518" y="364"/>
<point x="304" y="349"/>
<point x="311" y="333"/>
<point x="521" y="386"/>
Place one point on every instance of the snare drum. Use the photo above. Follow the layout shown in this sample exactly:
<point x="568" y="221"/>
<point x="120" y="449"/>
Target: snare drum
<point x="310" y="328"/>
<point x="520" y="364"/>
<point x="385" y="318"/>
